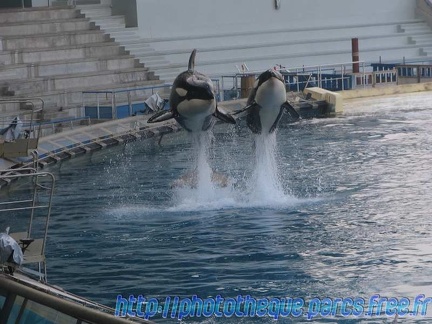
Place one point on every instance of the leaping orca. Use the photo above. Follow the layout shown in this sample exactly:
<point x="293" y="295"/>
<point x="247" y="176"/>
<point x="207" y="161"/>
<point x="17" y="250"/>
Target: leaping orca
<point x="266" y="103"/>
<point x="193" y="101"/>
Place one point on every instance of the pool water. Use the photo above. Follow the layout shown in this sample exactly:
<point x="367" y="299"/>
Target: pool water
<point x="336" y="207"/>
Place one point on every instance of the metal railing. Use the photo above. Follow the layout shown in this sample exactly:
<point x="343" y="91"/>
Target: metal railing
<point x="373" y="79"/>
<point x="108" y="103"/>
<point x="115" y="98"/>
<point x="18" y="145"/>
<point x="414" y="73"/>
<point x="335" y="77"/>
<point x="31" y="205"/>
<point x="60" y="125"/>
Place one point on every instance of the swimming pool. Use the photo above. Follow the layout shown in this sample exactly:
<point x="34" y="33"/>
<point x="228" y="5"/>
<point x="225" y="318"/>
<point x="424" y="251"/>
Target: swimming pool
<point x="346" y="214"/>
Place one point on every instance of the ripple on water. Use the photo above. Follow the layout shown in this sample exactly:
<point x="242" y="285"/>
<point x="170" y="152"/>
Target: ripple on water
<point x="329" y="207"/>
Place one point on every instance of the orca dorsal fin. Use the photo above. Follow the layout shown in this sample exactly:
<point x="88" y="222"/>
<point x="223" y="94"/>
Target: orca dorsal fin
<point x="191" y="65"/>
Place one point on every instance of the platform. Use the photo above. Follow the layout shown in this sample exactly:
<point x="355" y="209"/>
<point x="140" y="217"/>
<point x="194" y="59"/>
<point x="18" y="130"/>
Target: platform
<point x="68" y="144"/>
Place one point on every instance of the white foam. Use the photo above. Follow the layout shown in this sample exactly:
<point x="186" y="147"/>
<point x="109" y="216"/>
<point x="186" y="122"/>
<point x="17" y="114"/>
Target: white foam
<point x="263" y="188"/>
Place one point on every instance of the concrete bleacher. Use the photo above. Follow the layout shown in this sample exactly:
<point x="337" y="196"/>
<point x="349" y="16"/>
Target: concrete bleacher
<point x="56" y="53"/>
<point x="220" y="52"/>
<point x="114" y="26"/>
<point x="295" y="48"/>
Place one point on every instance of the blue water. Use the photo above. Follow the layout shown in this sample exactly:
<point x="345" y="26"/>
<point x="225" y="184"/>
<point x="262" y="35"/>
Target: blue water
<point x="340" y="207"/>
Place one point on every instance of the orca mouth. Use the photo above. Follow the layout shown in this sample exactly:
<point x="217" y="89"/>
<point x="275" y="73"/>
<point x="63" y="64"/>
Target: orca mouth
<point x="201" y="87"/>
<point x="200" y="93"/>
<point x="270" y="74"/>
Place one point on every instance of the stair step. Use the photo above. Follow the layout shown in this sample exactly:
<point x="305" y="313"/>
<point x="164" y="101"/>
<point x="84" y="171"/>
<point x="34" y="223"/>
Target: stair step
<point x="123" y="39"/>
<point x="106" y="49"/>
<point x="101" y="20"/>
<point x="122" y="28"/>
<point x="137" y="45"/>
<point x="45" y="27"/>
<point x="84" y="80"/>
<point x="124" y="32"/>
<point x="73" y="97"/>
<point x="101" y="11"/>
<point x="53" y="40"/>
<point x="35" y="14"/>
<point x="70" y="67"/>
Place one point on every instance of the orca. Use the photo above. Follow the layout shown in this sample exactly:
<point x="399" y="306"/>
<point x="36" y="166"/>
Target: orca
<point x="266" y="103"/>
<point x="193" y="101"/>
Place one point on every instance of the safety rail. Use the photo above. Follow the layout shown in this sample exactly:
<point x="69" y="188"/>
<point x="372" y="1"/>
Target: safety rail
<point x="112" y="104"/>
<point x="414" y="73"/>
<point x="328" y="76"/>
<point x="373" y="79"/>
<point x="59" y="125"/>
<point x="32" y="240"/>
<point x="121" y="103"/>
<point x="16" y="141"/>
<point x="334" y="77"/>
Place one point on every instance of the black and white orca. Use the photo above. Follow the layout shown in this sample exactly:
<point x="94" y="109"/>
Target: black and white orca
<point x="266" y="103"/>
<point x="193" y="101"/>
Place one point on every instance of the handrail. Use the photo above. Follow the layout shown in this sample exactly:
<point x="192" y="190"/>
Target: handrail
<point x="43" y="296"/>
<point x="32" y="112"/>
<point x="17" y="205"/>
<point x="55" y="121"/>
<point x="304" y="68"/>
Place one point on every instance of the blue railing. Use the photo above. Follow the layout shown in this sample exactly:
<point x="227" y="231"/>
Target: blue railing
<point x="115" y="104"/>
<point x="119" y="103"/>
<point x="112" y="104"/>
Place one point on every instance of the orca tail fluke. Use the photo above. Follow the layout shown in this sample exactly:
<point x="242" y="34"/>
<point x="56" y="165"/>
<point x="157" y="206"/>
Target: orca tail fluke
<point x="161" y="116"/>
<point x="224" y="116"/>
<point x="191" y="65"/>
<point x="290" y="110"/>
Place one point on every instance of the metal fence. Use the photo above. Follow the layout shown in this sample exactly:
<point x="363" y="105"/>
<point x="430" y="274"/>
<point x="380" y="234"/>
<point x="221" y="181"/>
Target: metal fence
<point x="113" y="104"/>
<point x="334" y="77"/>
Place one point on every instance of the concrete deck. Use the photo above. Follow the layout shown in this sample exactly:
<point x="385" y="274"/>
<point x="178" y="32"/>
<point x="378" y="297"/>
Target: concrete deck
<point x="81" y="140"/>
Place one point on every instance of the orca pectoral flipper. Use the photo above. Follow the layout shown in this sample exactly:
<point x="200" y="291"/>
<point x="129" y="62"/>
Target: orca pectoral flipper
<point x="290" y="110"/>
<point x="161" y="116"/>
<point x="246" y="110"/>
<point x="224" y="116"/>
<point x="275" y="124"/>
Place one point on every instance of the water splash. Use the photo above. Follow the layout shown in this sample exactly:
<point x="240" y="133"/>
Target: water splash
<point x="202" y="190"/>
<point x="265" y="186"/>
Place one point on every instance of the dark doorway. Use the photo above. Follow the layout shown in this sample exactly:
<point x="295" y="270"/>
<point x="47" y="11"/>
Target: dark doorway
<point x="15" y="3"/>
